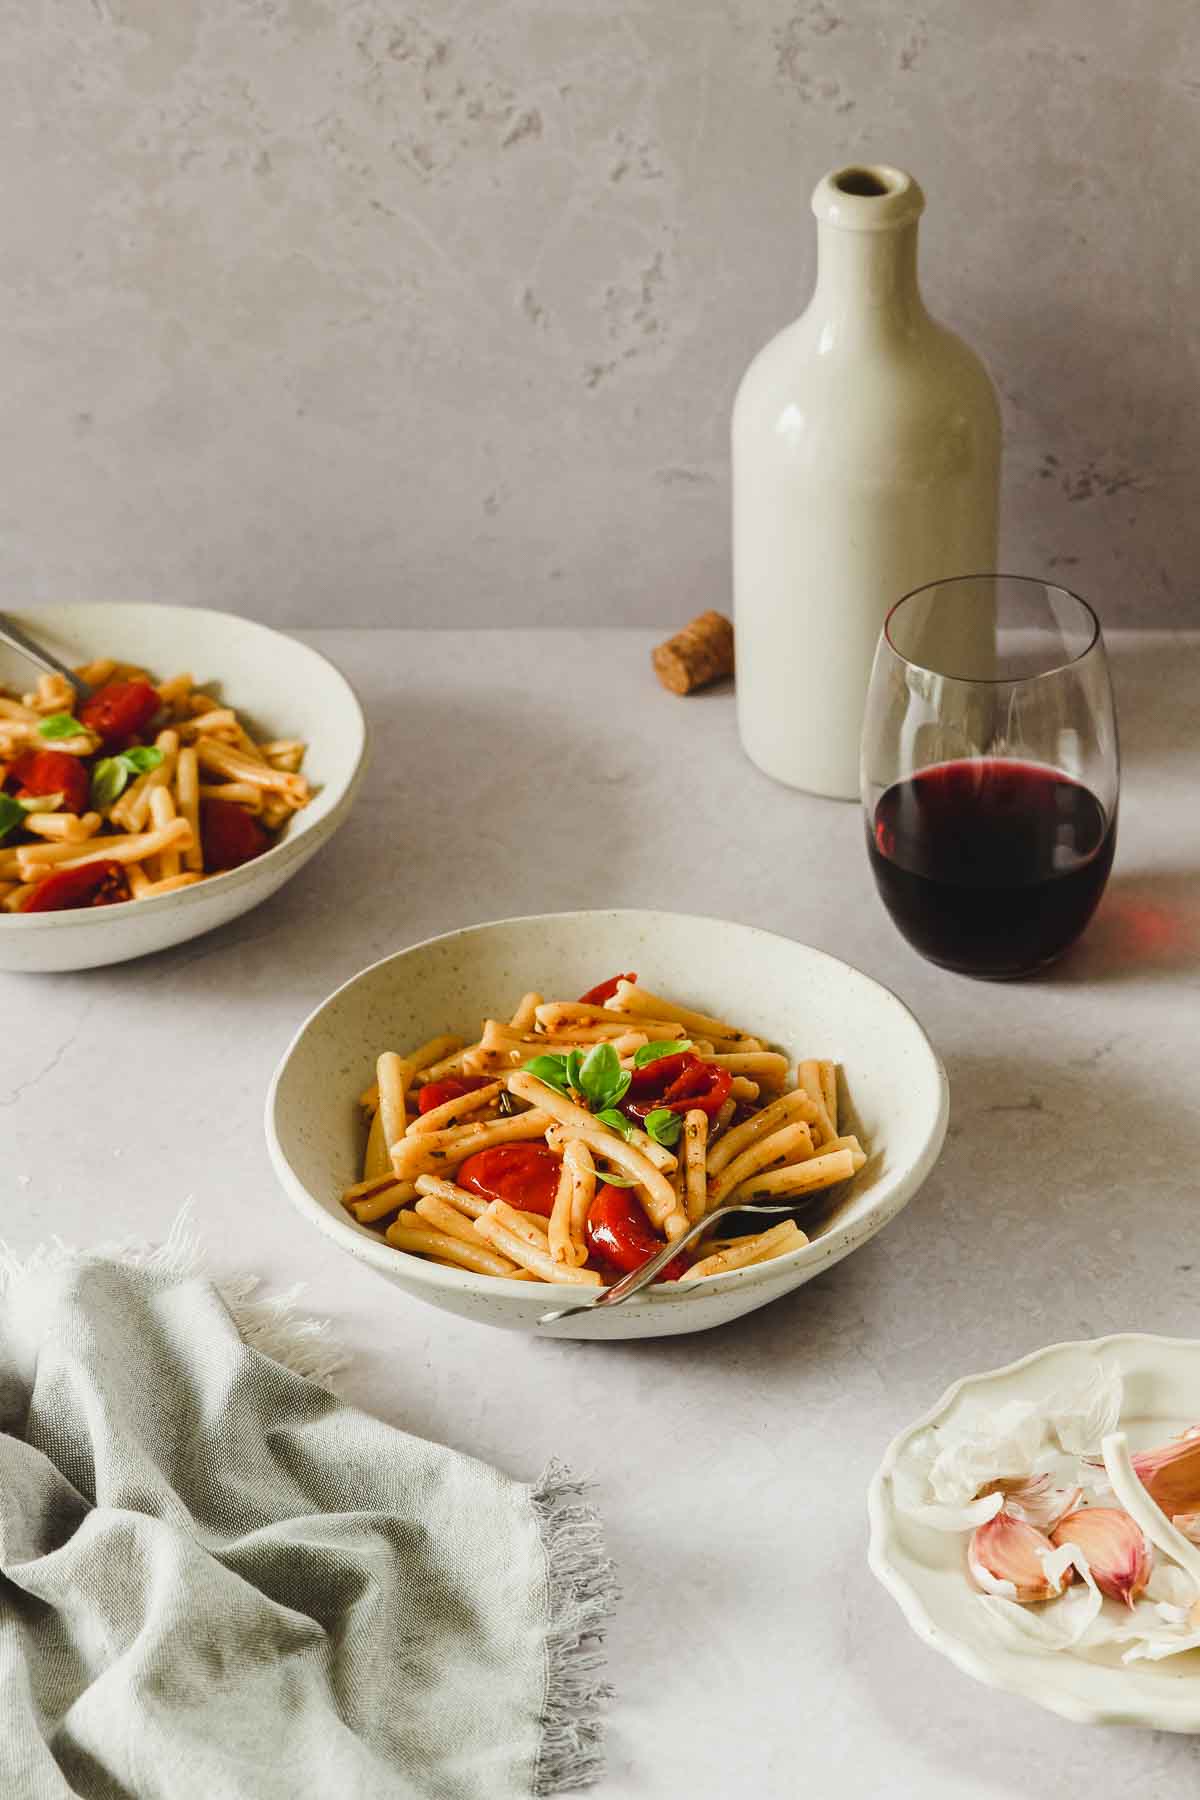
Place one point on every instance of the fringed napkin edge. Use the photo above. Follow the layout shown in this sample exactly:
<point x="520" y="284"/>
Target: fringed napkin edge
<point x="582" y="1589"/>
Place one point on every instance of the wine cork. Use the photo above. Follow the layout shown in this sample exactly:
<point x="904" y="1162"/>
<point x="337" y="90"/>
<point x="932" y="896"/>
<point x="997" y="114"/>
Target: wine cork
<point x="700" y="653"/>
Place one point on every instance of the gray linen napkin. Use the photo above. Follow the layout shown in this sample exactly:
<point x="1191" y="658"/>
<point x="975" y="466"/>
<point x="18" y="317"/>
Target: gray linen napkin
<point x="219" y="1582"/>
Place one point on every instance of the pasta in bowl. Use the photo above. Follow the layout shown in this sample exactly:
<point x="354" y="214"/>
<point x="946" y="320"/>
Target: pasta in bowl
<point x="567" y="1139"/>
<point x="202" y="795"/>
<point x="151" y="788"/>
<point x="572" y="1143"/>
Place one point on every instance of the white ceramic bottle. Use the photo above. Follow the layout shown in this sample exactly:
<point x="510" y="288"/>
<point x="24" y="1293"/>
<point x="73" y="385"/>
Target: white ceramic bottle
<point x="866" y="461"/>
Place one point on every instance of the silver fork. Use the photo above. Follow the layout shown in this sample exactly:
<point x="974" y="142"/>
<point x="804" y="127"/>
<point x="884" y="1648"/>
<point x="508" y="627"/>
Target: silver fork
<point x="637" y="1279"/>
<point x="12" y="633"/>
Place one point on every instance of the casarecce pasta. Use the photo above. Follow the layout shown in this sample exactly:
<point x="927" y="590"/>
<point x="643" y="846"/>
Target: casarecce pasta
<point x="570" y="1142"/>
<point x="139" y="790"/>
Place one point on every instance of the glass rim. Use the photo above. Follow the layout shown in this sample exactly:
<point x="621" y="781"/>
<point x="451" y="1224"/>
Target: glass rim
<point x="947" y="581"/>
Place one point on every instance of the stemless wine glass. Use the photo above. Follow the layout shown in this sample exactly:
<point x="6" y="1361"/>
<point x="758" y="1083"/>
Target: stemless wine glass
<point x="990" y="771"/>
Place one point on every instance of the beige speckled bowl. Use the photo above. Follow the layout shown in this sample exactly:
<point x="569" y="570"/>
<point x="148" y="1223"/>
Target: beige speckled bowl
<point x="282" y="686"/>
<point x="808" y="1002"/>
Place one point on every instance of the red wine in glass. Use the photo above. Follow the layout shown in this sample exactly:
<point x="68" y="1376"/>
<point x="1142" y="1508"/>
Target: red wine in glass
<point x="990" y="771"/>
<point x="989" y="866"/>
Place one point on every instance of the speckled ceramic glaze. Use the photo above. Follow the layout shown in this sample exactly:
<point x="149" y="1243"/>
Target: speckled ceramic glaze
<point x="807" y="1002"/>
<point x="282" y="687"/>
<point x="925" y="1570"/>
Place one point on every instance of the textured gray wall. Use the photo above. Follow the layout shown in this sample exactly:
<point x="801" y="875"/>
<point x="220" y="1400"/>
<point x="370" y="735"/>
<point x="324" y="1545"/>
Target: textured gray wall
<point x="357" y="312"/>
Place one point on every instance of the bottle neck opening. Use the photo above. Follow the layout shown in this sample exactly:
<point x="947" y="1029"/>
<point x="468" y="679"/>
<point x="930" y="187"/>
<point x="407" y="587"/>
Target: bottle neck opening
<point x="867" y="218"/>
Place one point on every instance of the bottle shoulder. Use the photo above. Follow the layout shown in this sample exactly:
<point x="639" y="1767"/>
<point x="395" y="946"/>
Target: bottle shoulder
<point x="807" y="387"/>
<point x="966" y="364"/>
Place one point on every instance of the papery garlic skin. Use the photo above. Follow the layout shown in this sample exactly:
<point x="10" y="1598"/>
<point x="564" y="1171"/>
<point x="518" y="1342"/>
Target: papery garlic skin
<point x="967" y="1458"/>
<point x="1036" y="1499"/>
<point x="1034" y="1630"/>
<point x="1118" y="1554"/>
<point x="1005" y="1559"/>
<point x="1082" y="1416"/>
<point x="1189" y="1524"/>
<point x="1171" y="1474"/>
<point x="1174" y="1625"/>
<point x="1154" y="1649"/>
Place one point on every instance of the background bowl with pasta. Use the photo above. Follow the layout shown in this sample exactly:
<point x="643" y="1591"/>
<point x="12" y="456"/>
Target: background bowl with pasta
<point x="280" y="687"/>
<point x="893" y="1090"/>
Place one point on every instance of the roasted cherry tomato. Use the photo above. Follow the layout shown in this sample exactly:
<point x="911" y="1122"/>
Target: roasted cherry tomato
<point x="679" y="1083"/>
<point x="604" y="991"/>
<point x="701" y="1084"/>
<point x="118" y="711"/>
<point x="51" y="772"/>
<point x="230" y="835"/>
<point x="655" y="1078"/>
<point x="617" y="1234"/>
<point x="526" y="1175"/>
<point x="94" y="884"/>
<point x="436" y="1093"/>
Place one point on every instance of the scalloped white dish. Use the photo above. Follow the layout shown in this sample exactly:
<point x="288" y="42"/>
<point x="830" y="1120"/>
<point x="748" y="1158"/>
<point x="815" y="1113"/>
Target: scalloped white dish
<point x="925" y="1570"/>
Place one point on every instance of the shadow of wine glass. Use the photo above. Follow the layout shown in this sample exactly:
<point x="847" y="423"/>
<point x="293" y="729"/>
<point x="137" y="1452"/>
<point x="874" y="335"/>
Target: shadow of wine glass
<point x="1146" y="928"/>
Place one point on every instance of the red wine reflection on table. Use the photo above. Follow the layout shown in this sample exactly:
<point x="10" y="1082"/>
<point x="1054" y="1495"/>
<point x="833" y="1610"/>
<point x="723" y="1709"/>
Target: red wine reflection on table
<point x="989" y="866"/>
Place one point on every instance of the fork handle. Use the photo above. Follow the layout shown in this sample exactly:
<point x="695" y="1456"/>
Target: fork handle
<point x="641" y="1277"/>
<point x="12" y="634"/>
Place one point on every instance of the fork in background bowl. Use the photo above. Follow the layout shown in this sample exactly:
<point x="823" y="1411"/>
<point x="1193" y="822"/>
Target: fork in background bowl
<point x="286" y="689"/>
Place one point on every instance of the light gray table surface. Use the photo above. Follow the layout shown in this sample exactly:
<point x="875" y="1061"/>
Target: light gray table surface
<point x="513" y="772"/>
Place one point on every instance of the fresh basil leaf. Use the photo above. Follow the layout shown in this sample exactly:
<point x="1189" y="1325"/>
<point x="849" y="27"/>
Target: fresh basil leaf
<point x="622" y="1088"/>
<point x="599" y="1074"/>
<point x="664" y="1126"/>
<point x="664" y="1047"/>
<point x="110" y="776"/>
<point x="616" y="1120"/>
<point x="574" y="1065"/>
<point x="141" y="759"/>
<point x="12" y="813"/>
<point x="550" y="1069"/>
<point x="607" y="1180"/>
<point x="60" y="725"/>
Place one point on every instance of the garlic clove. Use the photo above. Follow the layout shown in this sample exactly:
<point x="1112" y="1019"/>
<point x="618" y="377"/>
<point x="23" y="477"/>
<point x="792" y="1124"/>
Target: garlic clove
<point x="1115" y="1548"/>
<point x="1171" y="1474"/>
<point x="1005" y="1558"/>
